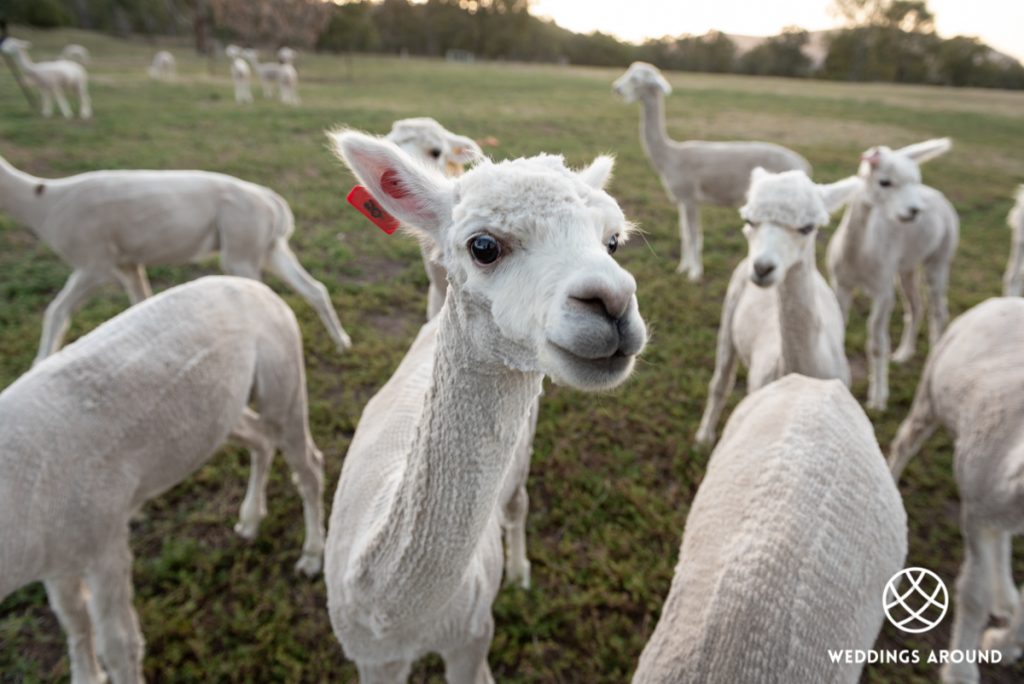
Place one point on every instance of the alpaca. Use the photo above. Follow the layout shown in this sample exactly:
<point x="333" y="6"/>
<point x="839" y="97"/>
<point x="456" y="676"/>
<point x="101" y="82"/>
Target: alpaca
<point x="431" y="143"/>
<point x="696" y="172"/>
<point x="269" y="73"/>
<point x="971" y="386"/>
<point x="241" y="74"/>
<point x="286" y="55"/>
<point x="76" y="53"/>
<point x="123" y="415"/>
<point x="164" y="66"/>
<point x="413" y="558"/>
<point x="288" y="84"/>
<point x="895" y="225"/>
<point x="110" y="225"/>
<point x="51" y="78"/>
<point x="1013" y="281"/>
<point x="789" y="543"/>
<point x="779" y="315"/>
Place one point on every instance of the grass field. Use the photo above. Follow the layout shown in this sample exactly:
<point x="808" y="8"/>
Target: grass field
<point x="612" y="476"/>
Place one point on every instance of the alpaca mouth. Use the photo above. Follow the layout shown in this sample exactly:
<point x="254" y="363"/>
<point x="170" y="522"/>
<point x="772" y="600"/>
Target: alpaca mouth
<point x="605" y="371"/>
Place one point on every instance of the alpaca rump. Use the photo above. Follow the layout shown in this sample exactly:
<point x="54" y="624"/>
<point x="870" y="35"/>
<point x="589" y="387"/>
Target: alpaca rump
<point x="124" y="414"/>
<point x="789" y="543"/>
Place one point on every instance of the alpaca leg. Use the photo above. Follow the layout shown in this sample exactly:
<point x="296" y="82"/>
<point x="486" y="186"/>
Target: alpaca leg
<point x="84" y="101"/>
<point x="1005" y="597"/>
<point x="117" y="626"/>
<point x="912" y="310"/>
<point x="973" y="599"/>
<point x="250" y="432"/>
<point x="937" y="274"/>
<point x="58" y="314"/>
<point x="721" y="387"/>
<point x="135" y="282"/>
<point x="844" y="295"/>
<point x="396" y="672"/>
<point x="47" y="99"/>
<point x="918" y="426"/>
<point x="1013" y="280"/>
<point x="282" y="262"/>
<point x="67" y="599"/>
<point x="1009" y="640"/>
<point x="690" y="236"/>
<point x="517" y="564"/>
<point x="62" y="102"/>
<point x="468" y="664"/>
<point x="878" y="351"/>
<point x="307" y="466"/>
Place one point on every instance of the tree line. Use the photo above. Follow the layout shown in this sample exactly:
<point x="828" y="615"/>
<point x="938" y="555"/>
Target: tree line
<point x="882" y="40"/>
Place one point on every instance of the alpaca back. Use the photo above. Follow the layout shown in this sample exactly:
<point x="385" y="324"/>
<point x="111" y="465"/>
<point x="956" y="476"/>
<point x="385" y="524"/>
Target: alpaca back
<point x="791" y="538"/>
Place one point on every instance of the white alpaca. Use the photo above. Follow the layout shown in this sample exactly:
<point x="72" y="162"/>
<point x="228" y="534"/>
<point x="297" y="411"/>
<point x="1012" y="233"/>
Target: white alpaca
<point x="696" y="172"/>
<point x="270" y="74"/>
<point x="164" y="66"/>
<point x="109" y="225"/>
<point x="76" y="53"/>
<point x="286" y="55"/>
<point x="288" y="84"/>
<point x="52" y="78"/>
<point x="431" y="143"/>
<point x="414" y="556"/>
<point x="789" y="544"/>
<point x="241" y="74"/>
<point x="123" y="415"/>
<point x="896" y="225"/>
<point x="1013" y="281"/>
<point x="779" y="315"/>
<point x="971" y="385"/>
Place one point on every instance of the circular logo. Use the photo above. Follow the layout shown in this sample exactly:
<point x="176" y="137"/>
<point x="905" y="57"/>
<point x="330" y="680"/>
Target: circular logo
<point x="918" y="606"/>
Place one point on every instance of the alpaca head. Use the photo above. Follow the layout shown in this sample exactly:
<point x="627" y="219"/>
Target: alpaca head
<point x="430" y="142"/>
<point x="893" y="178"/>
<point x="641" y="79"/>
<point x="783" y="214"/>
<point x="286" y="55"/>
<point x="11" y="46"/>
<point x="233" y="51"/>
<point x="527" y="245"/>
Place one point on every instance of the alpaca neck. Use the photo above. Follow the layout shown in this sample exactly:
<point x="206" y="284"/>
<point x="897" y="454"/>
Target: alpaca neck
<point x="475" y="410"/>
<point x="24" y="62"/>
<point x="20" y="196"/>
<point x="652" y="129"/>
<point x="799" y="318"/>
<point x="854" y="228"/>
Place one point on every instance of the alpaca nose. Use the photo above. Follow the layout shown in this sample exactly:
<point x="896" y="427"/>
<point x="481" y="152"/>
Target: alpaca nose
<point x="603" y="298"/>
<point x="763" y="269"/>
<point x="914" y="211"/>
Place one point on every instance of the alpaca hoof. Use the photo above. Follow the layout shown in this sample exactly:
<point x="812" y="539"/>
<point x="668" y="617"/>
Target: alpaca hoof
<point x="682" y="268"/>
<point x="695" y="275"/>
<point x="310" y="564"/>
<point x="247" y="529"/>
<point x="519" y="574"/>
<point x="902" y="355"/>
<point x="876" y="404"/>
<point x="705" y="437"/>
<point x="1001" y="639"/>
<point x="344" y="344"/>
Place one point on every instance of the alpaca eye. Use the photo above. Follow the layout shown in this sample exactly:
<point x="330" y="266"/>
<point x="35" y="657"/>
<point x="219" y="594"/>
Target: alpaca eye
<point x="613" y="243"/>
<point x="885" y="183"/>
<point x="485" y="249"/>
<point x="435" y="153"/>
<point x="806" y="230"/>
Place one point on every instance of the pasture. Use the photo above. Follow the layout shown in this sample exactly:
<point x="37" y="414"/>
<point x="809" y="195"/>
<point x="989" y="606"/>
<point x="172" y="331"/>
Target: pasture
<point x="612" y="475"/>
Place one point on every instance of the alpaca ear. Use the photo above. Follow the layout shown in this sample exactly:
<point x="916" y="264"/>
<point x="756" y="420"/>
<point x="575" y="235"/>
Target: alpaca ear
<point x="598" y="173"/>
<point x="870" y="160"/>
<point x="463" y="150"/>
<point x="418" y="196"/>
<point x="837" y="195"/>
<point x="927" y="150"/>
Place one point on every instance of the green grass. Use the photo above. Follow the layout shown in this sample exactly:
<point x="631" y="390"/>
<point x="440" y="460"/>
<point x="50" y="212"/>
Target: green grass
<point x="612" y="476"/>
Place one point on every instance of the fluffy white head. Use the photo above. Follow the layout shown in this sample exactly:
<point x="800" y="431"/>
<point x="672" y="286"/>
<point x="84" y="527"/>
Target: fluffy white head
<point x="527" y="245"/>
<point x="640" y="79"/>
<point x="233" y="51"/>
<point x="783" y="214"/>
<point x="430" y="142"/>
<point x="893" y="178"/>
<point x="286" y="55"/>
<point x="11" y="45"/>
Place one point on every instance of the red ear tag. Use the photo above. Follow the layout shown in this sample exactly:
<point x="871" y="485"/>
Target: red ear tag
<point x="364" y="203"/>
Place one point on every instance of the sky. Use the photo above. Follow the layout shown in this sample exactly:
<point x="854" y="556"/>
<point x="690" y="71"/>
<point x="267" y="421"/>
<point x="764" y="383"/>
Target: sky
<point x="1000" y="23"/>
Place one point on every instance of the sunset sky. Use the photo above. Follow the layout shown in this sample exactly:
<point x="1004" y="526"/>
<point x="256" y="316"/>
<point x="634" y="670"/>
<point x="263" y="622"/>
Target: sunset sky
<point x="1000" y="23"/>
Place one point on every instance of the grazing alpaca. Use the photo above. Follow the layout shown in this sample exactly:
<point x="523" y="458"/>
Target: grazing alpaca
<point x="241" y="74"/>
<point x="789" y="543"/>
<point x="279" y="75"/>
<point x="971" y="385"/>
<point x="76" y="53"/>
<point x="164" y="66"/>
<point x="51" y="78"/>
<point x="894" y="226"/>
<point x="413" y="558"/>
<point x="123" y="415"/>
<point x="1013" y="281"/>
<point x="696" y="172"/>
<point x="431" y="143"/>
<point x="779" y="315"/>
<point x="109" y="225"/>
